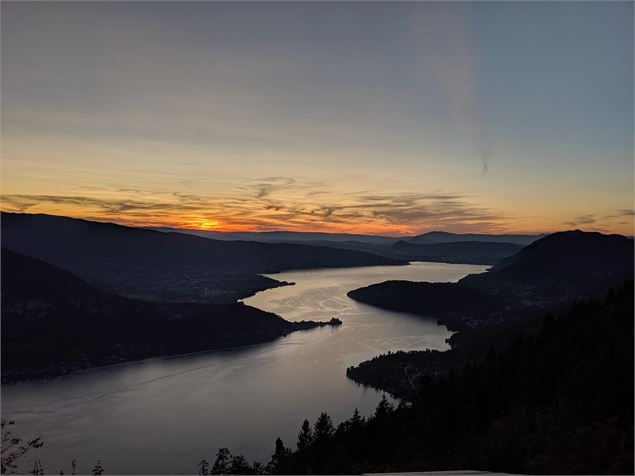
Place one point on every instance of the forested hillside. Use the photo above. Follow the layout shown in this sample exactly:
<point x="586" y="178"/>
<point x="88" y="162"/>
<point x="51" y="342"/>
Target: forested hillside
<point x="556" y="402"/>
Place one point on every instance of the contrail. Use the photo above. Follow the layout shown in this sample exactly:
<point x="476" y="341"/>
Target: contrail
<point x="443" y="40"/>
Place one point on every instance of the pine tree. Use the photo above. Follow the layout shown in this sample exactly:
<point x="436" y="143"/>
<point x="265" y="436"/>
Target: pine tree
<point x="305" y="437"/>
<point x="257" y="468"/>
<point x="240" y="465"/>
<point x="323" y="428"/>
<point x="384" y="407"/>
<point x="356" y="420"/>
<point x="223" y="462"/>
<point x="278" y="458"/>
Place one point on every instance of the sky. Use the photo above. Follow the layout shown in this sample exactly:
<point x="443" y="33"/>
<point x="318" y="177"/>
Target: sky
<point x="384" y="118"/>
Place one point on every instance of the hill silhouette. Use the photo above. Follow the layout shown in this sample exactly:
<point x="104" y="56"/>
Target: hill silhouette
<point x="569" y="254"/>
<point x="158" y="266"/>
<point x="564" y="264"/>
<point x="54" y="322"/>
<point x="483" y="307"/>
<point x="283" y="236"/>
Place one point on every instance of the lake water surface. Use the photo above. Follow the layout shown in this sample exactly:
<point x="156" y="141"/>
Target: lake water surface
<point x="162" y="416"/>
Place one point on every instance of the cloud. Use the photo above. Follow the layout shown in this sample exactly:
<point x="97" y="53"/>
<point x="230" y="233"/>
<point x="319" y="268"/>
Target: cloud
<point x="274" y="203"/>
<point x="603" y="222"/>
<point x="627" y="212"/>
<point x="582" y="220"/>
<point x="266" y="186"/>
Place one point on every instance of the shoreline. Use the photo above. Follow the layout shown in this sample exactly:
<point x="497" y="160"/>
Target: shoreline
<point x="79" y="367"/>
<point x="299" y="326"/>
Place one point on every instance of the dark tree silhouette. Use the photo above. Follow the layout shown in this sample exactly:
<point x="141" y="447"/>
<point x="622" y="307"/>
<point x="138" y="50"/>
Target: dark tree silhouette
<point x="279" y="458"/>
<point x="356" y="420"/>
<point x="556" y="401"/>
<point x="384" y="407"/>
<point x="305" y="437"/>
<point x="323" y="428"/>
<point x="222" y="465"/>
<point x="240" y="465"/>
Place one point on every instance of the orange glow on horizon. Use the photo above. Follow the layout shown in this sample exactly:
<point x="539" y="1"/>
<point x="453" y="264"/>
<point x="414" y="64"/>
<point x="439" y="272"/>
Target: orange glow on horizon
<point x="198" y="223"/>
<point x="211" y="225"/>
<point x="238" y="226"/>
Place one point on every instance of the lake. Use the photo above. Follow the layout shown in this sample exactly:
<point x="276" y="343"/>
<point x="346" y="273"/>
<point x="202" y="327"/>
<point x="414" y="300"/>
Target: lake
<point x="164" y="415"/>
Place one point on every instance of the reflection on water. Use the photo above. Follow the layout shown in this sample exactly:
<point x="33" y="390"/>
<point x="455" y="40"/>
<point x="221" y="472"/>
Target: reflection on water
<point x="164" y="415"/>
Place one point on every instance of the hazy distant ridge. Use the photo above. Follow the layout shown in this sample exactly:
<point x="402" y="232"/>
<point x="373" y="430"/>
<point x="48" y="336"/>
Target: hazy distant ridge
<point x="296" y="236"/>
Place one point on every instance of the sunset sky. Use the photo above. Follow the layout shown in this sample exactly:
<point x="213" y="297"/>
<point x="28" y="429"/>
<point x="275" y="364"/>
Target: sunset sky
<point x="349" y="117"/>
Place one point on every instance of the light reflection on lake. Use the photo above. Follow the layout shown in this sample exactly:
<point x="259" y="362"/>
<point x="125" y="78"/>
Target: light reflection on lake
<point x="164" y="415"/>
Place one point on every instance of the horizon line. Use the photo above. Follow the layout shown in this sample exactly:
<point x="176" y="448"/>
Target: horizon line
<point x="175" y="228"/>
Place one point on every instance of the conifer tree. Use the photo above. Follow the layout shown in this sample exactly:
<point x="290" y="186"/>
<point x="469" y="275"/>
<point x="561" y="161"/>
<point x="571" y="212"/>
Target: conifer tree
<point x="356" y="420"/>
<point x="240" y="465"/>
<point x="384" y="407"/>
<point x="305" y="437"/>
<point x="223" y="462"/>
<point x="323" y="428"/>
<point x="278" y="458"/>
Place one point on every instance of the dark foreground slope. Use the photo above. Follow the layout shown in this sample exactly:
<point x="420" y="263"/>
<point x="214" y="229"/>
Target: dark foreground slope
<point x="488" y="307"/>
<point x="557" y="402"/>
<point x="167" y="267"/>
<point x="54" y="322"/>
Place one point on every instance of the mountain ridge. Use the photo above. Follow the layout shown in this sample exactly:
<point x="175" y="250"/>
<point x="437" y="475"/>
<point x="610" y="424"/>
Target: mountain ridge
<point x="285" y="236"/>
<point x="160" y="266"/>
<point x="486" y="308"/>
